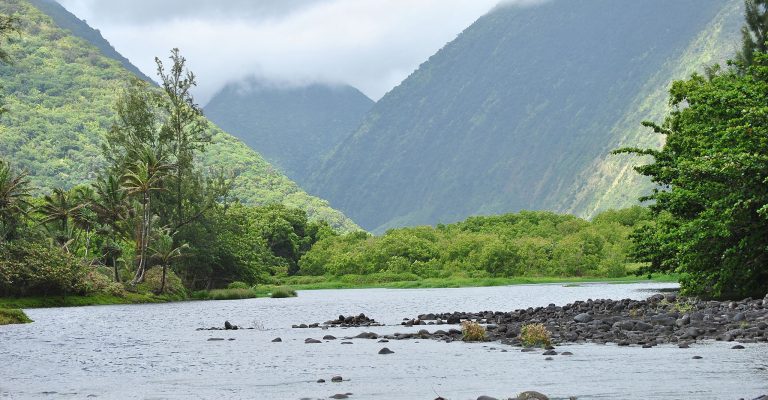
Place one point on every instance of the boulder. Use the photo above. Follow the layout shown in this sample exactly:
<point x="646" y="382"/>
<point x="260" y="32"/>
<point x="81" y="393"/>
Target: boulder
<point x="532" y="395"/>
<point x="386" y="350"/>
<point x="583" y="318"/>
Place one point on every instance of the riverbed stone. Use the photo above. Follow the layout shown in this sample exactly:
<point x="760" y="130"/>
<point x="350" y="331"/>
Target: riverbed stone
<point x="386" y="350"/>
<point x="337" y="378"/>
<point x="583" y="318"/>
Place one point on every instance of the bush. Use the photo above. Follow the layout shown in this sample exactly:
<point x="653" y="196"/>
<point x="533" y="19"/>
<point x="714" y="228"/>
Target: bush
<point x="36" y="269"/>
<point x="283" y="292"/>
<point x="472" y="332"/>
<point x="535" y="335"/>
<point x="227" y="294"/>
<point x="13" y="316"/>
<point x="153" y="280"/>
<point x="238" y="285"/>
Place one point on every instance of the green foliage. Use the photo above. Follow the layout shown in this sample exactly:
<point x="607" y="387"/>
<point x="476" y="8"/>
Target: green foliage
<point x="225" y="294"/>
<point x="535" y="335"/>
<point x="13" y="316"/>
<point x="153" y="283"/>
<point x="711" y="221"/>
<point x="282" y="292"/>
<point x="292" y="127"/>
<point x="30" y="268"/>
<point x="509" y="116"/>
<point x="512" y="245"/>
<point x="238" y="285"/>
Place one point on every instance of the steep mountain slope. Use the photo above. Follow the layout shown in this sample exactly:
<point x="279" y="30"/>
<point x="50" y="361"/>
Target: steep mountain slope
<point x="61" y="91"/>
<point x="291" y="126"/>
<point x="515" y="112"/>
<point x="66" y="20"/>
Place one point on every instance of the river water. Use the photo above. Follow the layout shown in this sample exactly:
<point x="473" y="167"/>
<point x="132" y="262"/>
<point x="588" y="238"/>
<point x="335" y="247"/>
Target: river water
<point x="155" y="352"/>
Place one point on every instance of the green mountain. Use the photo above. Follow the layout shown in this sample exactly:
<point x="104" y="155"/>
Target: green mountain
<point x="66" y="20"/>
<point x="291" y="126"/>
<point x="61" y="90"/>
<point x="521" y="110"/>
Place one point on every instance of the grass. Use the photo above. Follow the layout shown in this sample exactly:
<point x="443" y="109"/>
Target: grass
<point x="472" y="332"/>
<point x="77" y="301"/>
<point x="13" y="316"/>
<point x="535" y="335"/>
<point x="282" y="292"/>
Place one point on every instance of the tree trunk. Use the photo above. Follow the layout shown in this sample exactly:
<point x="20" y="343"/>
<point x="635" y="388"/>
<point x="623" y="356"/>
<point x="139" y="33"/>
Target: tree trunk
<point x="162" y="281"/>
<point x="146" y="227"/>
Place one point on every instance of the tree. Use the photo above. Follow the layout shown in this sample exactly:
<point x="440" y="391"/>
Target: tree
<point x="144" y="177"/>
<point x="14" y="192"/>
<point x="755" y="32"/>
<point x="185" y="127"/>
<point x="58" y="209"/>
<point x="165" y="252"/>
<point x="112" y="208"/>
<point x="711" y="206"/>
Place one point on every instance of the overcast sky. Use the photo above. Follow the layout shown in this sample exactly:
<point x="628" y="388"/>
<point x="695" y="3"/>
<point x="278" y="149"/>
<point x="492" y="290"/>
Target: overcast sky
<point x="370" y="44"/>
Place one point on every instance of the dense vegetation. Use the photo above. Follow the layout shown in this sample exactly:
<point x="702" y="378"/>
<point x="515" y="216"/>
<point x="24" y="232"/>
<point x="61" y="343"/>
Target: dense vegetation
<point x="711" y="206"/>
<point x="510" y="117"/>
<point x="61" y="92"/>
<point x="293" y="127"/>
<point x="528" y="244"/>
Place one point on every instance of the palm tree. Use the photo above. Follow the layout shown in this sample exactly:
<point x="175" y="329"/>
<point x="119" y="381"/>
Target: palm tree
<point x="14" y="192"/>
<point x="112" y="207"/>
<point x="164" y="252"/>
<point x="143" y="177"/>
<point x="59" y="208"/>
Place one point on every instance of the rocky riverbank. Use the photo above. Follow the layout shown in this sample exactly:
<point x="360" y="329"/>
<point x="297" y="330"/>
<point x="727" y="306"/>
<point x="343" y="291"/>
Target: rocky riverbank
<point x="660" y="319"/>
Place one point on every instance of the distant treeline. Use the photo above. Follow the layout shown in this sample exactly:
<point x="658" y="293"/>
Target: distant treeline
<point x="526" y="244"/>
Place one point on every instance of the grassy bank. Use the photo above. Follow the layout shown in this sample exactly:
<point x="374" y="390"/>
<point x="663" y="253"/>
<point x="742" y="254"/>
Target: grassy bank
<point x="13" y="316"/>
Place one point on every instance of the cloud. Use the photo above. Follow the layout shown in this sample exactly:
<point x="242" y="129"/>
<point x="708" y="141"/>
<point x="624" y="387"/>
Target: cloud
<point x="371" y="44"/>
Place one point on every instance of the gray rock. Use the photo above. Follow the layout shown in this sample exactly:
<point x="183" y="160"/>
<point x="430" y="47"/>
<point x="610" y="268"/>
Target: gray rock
<point x="550" y="353"/>
<point x="228" y="326"/>
<point x="337" y="378"/>
<point x="321" y="381"/>
<point x="215" y="339"/>
<point x="329" y="337"/>
<point x="583" y="318"/>
<point x="386" y="350"/>
<point x="339" y="396"/>
<point x="486" y="398"/>
<point x="737" y="347"/>
<point x="532" y="395"/>
<point x="277" y="340"/>
<point x="312" y="341"/>
<point x="697" y="357"/>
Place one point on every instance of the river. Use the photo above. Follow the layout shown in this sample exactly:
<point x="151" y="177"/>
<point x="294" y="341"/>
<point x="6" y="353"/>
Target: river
<point x="155" y="352"/>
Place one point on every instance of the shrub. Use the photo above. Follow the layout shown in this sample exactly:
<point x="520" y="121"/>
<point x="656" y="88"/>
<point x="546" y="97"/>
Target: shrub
<point x="153" y="280"/>
<point x="228" y="294"/>
<point x="31" y="268"/>
<point x="238" y="285"/>
<point x="13" y="316"/>
<point x="472" y="332"/>
<point x="283" y="292"/>
<point x="535" y="335"/>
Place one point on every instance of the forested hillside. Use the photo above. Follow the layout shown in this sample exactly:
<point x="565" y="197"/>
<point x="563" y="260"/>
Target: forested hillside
<point x="511" y="116"/>
<point x="293" y="127"/>
<point x="61" y="92"/>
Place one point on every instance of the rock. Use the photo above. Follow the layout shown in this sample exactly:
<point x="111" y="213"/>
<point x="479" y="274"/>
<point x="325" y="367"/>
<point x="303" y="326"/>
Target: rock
<point x="386" y="351"/>
<point x="311" y="341"/>
<point x="329" y="337"/>
<point x="550" y="353"/>
<point x="337" y="378"/>
<point x="346" y="342"/>
<point x="683" y="345"/>
<point x="737" y="347"/>
<point x="566" y="353"/>
<point x="215" y="339"/>
<point x="583" y="318"/>
<point x="339" y="396"/>
<point x="531" y="395"/>
<point x="228" y="326"/>
<point x="548" y="359"/>
<point x="277" y="340"/>
<point x="697" y="357"/>
<point x="321" y="381"/>
<point x="486" y="398"/>
<point x="739" y="317"/>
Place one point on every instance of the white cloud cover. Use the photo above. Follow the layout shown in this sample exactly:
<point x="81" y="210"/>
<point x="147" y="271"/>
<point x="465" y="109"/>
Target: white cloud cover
<point x="370" y="44"/>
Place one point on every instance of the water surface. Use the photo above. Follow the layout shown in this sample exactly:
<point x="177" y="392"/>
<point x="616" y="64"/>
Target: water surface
<point x="154" y="352"/>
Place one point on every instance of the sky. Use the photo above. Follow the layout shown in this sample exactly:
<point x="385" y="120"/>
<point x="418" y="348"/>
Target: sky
<point x="370" y="44"/>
